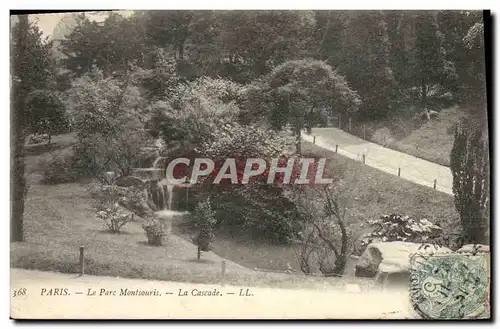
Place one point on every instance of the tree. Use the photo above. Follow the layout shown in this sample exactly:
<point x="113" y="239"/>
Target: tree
<point x="203" y="218"/>
<point x="431" y="69"/>
<point x="105" y="105"/>
<point x="469" y="165"/>
<point x="45" y="113"/>
<point x="111" y="45"/>
<point x="301" y="87"/>
<point x="324" y="232"/>
<point x="364" y="59"/>
<point x="31" y="69"/>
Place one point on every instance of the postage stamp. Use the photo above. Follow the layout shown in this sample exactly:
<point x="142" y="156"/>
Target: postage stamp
<point x="450" y="286"/>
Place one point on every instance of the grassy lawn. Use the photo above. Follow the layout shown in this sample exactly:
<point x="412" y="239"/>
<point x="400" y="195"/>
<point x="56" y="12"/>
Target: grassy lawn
<point x="432" y="140"/>
<point x="59" y="219"/>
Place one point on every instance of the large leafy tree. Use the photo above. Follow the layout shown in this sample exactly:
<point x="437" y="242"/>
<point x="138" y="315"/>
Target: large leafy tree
<point x="364" y="59"/>
<point x="31" y="70"/>
<point x="301" y="87"/>
<point x="111" y="44"/>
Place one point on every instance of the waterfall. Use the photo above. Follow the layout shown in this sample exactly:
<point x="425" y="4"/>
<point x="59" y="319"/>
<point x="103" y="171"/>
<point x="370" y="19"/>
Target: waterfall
<point x="170" y="189"/>
<point x="162" y="197"/>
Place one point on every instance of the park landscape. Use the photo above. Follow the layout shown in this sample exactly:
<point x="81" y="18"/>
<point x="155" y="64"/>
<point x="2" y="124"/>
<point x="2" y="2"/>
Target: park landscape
<point x="104" y="101"/>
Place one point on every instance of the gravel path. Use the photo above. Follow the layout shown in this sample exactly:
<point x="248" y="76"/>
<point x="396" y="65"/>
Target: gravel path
<point x="414" y="169"/>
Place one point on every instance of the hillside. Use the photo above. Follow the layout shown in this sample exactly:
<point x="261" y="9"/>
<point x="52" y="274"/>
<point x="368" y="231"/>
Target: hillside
<point x="432" y="140"/>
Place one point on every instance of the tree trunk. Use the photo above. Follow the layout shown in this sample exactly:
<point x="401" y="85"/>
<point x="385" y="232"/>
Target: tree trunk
<point x="199" y="253"/>
<point x="18" y="189"/>
<point x="298" y="136"/>
<point x="424" y="96"/>
<point x="18" y="181"/>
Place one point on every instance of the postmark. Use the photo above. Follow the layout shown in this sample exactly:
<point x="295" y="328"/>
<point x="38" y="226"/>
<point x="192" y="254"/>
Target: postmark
<point x="450" y="286"/>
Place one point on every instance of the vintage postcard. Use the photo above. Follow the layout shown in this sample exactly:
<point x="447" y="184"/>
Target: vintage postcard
<point x="250" y="164"/>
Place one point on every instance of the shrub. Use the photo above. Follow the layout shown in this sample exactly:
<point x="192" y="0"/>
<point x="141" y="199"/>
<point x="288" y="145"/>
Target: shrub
<point x="399" y="227"/>
<point x="203" y="218"/>
<point x="107" y="196"/>
<point x="58" y="170"/>
<point x="155" y="231"/>
<point x="114" y="219"/>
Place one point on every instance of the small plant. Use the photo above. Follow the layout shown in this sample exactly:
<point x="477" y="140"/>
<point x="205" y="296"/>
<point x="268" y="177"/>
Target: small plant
<point x="203" y="218"/>
<point x="58" y="170"/>
<point x="399" y="227"/>
<point x="114" y="219"/>
<point x="155" y="231"/>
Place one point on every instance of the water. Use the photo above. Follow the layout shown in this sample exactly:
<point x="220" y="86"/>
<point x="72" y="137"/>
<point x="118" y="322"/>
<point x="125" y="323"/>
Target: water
<point x="168" y="214"/>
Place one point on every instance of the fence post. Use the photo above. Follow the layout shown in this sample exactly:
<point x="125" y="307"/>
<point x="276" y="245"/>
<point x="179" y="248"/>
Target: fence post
<point x="223" y="272"/>
<point x="340" y="126"/>
<point x="364" y="132"/>
<point x="399" y="172"/>
<point x="82" y="267"/>
<point x="336" y="148"/>
<point x="435" y="182"/>
<point x="314" y="139"/>
<point x="364" y="159"/>
<point x="350" y="124"/>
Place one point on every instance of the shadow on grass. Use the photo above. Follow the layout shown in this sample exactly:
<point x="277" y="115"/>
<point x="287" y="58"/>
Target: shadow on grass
<point x="201" y="261"/>
<point x="105" y="231"/>
<point x="37" y="149"/>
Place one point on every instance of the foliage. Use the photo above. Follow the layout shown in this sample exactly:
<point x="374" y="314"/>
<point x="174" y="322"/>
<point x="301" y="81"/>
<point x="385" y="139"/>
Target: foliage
<point x="204" y="220"/>
<point x="46" y="114"/>
<point x="31" y="69"/>
<point x="112" y="196"/>
<point x="400" y="227"/>
<point x="58" y="170"/>
<point x="99" y="104"/>
<point x="114" y="219"/>
<point x="469" y="164"/>
<point x="99" y="153"/>
<point x="301" y="87"/>
<point x="111" y="45"/>
<point x="324" y="242"/>
<point x="155" y="231"/>
<point x="196" y="108"/>
<point x="259" y="209"/>
<point x="159" y="79"/>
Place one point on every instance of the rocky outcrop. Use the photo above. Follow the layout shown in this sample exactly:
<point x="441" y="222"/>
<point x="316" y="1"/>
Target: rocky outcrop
<point x="391" y="257"/>
<point x="473" y="248"/>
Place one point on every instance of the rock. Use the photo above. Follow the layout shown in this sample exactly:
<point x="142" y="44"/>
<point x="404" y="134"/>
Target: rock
<point x="473" y="248"/>
<point x="148" y="173"/>
<point x="129" y="181"/>
<point x="391" y="257"/>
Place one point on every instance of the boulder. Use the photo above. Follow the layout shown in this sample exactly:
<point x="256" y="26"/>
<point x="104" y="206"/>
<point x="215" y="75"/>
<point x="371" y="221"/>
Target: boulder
<point x="391" y="257"/>
<point x="128" y="181"/>
<point x="473" y="248"/>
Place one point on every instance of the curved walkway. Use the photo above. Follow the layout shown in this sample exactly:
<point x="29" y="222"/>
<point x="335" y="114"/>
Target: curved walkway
<point x="411" y="168"/>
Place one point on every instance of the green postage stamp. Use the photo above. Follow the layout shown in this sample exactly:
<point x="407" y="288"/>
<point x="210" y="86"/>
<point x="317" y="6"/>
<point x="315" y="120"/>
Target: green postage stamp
<point x="450" y="286"/>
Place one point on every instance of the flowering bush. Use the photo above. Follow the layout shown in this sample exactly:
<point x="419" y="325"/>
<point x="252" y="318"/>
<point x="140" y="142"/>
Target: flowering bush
<point x="398" y="227"/>
<point x="114" y="219"/>
<point x="155" y="231"/>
